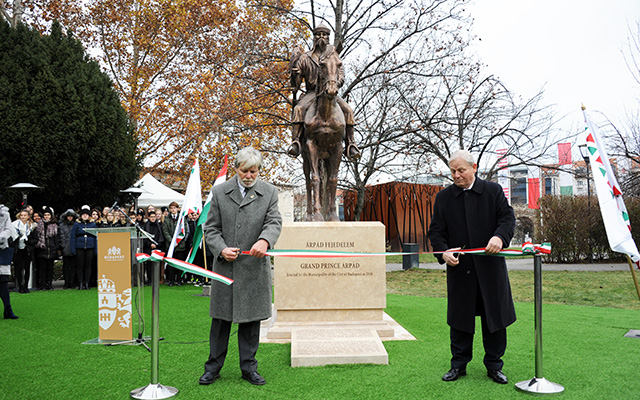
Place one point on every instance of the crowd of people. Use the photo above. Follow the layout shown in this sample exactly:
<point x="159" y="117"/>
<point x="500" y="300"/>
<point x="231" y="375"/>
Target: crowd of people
<point x="43" y="238"/>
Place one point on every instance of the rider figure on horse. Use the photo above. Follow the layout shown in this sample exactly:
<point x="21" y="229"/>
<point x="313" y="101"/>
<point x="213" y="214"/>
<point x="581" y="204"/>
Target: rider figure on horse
<point x="306" y="67"/>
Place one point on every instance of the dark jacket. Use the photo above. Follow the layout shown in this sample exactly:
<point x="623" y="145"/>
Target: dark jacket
<point x="79" y="239"/>
<point x="155" y="230"/>
<point x="468" y="219"/>
<point x="64" y="231"/>
<point x="50" y="244"/>
<point x="169" y="228"/>
<point x="106" y="224"/>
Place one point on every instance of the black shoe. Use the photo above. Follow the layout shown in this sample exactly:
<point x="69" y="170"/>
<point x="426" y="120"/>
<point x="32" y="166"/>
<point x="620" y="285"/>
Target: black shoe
<point x="8" y="313"/>
<point x="497" y="376"/>
<point x="253" y="378"/>
<point x="208" y="378"/>
<point x="171" y="283"/>
<point x="453" y="374"/>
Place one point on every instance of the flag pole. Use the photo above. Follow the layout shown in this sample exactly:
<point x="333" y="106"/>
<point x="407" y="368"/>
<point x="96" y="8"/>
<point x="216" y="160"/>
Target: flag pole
<point x="538" y="385"/>
<point x="154" y="390"/>
<point x="633" y="273"/>
<point x="204" y="256"/>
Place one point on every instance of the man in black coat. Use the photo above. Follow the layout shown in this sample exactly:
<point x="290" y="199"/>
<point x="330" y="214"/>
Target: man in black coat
<point x="154" y="228"/>
<point x="473" y="213"/>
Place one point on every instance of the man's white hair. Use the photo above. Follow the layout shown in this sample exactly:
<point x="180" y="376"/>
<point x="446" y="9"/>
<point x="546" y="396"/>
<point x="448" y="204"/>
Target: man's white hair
<point x="249" y="157"/>
<point x="464" y="155"/>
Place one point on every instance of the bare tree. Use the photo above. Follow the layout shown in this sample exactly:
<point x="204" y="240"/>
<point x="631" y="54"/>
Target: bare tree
<point x="459" y="108"/>
<point x="624" y="142"/>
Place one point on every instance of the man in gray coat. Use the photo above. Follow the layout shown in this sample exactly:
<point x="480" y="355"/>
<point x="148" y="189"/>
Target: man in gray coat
<point x="243" y="216"/>
<point x="469" y="214"/>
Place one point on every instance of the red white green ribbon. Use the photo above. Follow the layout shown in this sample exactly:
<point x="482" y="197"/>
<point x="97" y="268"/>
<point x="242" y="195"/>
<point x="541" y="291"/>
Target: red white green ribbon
<point x="183" y="266"/>
<point x="527" y="249"/>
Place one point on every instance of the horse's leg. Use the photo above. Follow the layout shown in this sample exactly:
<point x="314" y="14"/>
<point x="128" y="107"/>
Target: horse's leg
<point x="315" y="180"/>
<point x="333" y="166"/>
<point x="307" y="179"/>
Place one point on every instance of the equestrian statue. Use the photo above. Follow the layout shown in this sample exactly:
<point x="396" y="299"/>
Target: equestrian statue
<point x="322" y="121"/>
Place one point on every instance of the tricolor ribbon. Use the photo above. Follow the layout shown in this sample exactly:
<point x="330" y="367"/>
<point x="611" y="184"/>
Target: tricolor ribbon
<point x="183" y="266"/>
<point x="527" y="249"/>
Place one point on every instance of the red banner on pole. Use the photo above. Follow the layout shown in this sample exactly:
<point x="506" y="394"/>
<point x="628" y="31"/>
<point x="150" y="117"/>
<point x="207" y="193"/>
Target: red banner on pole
<point x="534" y="192"/>
<point x="564" y="153"/>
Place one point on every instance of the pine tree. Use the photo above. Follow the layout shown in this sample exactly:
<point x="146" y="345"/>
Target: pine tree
<point x="63" y="127"/>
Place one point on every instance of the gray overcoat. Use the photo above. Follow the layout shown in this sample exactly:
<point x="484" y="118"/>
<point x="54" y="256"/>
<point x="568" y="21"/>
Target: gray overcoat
<point x="234" y="221"/>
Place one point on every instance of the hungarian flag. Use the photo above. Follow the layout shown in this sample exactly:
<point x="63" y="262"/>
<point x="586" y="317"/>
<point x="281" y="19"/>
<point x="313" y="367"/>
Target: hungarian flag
<point x="192" y="203"/>
<point x="199" y="233"/>
<point x="564" y="153"/>
<point x="614" y="212"/>
<point x="533" y="191"/>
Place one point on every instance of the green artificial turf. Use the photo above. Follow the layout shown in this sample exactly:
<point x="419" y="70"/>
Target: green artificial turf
<point x="42" y="355"/>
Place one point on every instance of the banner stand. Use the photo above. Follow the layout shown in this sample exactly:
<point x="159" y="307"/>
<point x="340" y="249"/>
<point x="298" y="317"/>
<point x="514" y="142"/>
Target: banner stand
<point x="114" y="284"/>
<point x="154" y="390"/>
<point x="538" y="385"/>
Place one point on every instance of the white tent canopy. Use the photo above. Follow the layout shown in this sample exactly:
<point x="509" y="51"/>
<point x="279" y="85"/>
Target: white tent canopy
<point x="159" y="195"/>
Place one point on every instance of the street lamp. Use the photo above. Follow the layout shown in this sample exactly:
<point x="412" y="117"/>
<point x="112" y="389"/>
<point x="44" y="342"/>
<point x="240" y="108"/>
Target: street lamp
<point x="24" y="188"/>
<point x="584" y="152"/>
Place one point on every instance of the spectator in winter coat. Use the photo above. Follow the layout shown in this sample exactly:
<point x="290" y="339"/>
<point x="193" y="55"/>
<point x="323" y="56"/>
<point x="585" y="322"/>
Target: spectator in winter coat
<point x="109" y="221"/>
<point x="47" y="248"/>
<point x="180" y="251"/>
<point x="8" y="236"/>
<point x="83" y="244"/>
<point x="154" y="228"/>
<point x="24" y="245"/>
<point x="96" y="216"/>
<point x="67" y="220"/>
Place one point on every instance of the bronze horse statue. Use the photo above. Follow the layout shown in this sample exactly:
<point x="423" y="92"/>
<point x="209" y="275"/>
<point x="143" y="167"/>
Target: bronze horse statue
<point x="321" y="145"/>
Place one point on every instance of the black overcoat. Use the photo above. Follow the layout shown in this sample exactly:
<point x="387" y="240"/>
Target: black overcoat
<point x="468" y="219"/>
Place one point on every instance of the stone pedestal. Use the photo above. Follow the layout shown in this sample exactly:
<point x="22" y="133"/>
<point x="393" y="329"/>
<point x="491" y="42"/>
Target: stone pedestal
<point x="319" y="303"/>
<point x="323" y="346"/>
<point x="331" y="289"/>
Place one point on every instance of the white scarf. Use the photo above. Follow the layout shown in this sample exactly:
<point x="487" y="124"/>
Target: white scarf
<point x="23" y="231"/>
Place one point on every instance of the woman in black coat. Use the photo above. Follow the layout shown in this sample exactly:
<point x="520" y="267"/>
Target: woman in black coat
<point x="67" y="220"/>
<point x="83" y="245"/>
<point x="24" y="246"/>
<point x="47" y="247"/>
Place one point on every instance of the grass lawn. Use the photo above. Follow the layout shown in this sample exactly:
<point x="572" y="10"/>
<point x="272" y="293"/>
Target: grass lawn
<point x="42" y="355"/>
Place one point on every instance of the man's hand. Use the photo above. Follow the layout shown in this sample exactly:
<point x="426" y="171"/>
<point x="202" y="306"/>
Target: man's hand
<point x="451" y="258"/>
<point x="259" y="249"/>
<point x="494" y="245"/>
<point x="230" y="253"/>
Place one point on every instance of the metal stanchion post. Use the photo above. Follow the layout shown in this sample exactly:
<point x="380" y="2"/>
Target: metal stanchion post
<point x="155" y="390"/>
<point x="538" y="385"/>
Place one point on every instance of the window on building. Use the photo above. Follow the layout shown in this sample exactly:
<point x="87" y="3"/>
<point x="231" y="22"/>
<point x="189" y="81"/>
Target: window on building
<point x="519" y="191"/>
<point x="548" y="186"/>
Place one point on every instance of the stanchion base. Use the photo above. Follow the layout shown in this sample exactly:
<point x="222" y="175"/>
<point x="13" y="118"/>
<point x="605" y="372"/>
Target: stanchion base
<point x="540" y="386"/>
<point x="152" y="391"/>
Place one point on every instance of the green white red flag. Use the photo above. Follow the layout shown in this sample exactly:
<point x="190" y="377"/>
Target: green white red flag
<point x="192" y="203"/>
<point x="199" y="233"/>
<point x="614" y="212"/>
<point x="528" y="248"/>
<point x="183" y="266"/>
